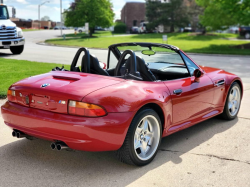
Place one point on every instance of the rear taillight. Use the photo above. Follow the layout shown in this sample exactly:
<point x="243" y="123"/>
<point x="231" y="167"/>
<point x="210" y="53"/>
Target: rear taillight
<point x="239" y="29"/>
<point x="85" y="109"/>
<point x="11" y="94"/>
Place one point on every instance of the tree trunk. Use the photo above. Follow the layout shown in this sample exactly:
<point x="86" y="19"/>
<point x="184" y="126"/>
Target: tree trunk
<point x="172" y="23"/>
<point x="172" y="28"/>
<point x="204" y="31"/>
<point x="91" y="31"/>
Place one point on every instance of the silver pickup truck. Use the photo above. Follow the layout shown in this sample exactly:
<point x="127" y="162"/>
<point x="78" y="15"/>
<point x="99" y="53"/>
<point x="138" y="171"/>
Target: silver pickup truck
<point x="11" y="37"/>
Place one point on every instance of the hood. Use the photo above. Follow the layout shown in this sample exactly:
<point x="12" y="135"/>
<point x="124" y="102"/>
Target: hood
<point x="7" y="23"/>
<point x="47" y="91"/>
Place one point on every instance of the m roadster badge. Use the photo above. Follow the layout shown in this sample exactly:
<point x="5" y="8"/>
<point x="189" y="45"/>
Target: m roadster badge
<point x="45" y="85"/>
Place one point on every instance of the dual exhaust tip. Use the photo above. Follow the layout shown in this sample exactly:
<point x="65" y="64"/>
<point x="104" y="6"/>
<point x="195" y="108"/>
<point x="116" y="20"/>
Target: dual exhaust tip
<point x="19" y="134"/>
<point x="58" y="146"/>
<point x="54" y="146"/>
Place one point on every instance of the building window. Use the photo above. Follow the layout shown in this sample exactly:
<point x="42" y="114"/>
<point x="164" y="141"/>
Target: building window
<point x="135" y="23"/>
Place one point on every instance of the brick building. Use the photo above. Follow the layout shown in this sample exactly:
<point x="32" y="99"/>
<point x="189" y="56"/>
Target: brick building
<point x="33" y="24"/>
<point x="133" y="13"/>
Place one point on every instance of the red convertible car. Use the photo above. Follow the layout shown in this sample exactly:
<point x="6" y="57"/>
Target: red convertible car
<point x="148" y="91"/>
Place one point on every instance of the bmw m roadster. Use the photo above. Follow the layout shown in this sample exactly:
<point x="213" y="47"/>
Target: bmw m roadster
<point x="146" y="92"/>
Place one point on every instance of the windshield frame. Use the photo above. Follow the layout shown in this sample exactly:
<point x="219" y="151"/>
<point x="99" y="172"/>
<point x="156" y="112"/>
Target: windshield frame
<point x="3" y="6"/>
<point x="114" y="48"/>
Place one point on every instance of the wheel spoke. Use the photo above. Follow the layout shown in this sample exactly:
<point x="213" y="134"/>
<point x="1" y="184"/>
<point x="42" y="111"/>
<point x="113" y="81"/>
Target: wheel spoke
<point x="138" y="130"/>
<point x="149" y="138"/>
<point x="230" y="105"/>
<point x="231" y="97"/>
<point x="144" y="147"/>
<point x="145" y="125"/>
<point x="234" y="94"/>
<point x="233" y="108"/>
<point x="147" y="149"/>
<point x="138" y="144"/>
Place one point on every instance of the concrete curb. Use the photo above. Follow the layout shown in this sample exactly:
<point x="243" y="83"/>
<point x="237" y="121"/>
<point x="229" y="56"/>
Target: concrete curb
<point x="201" y="54"/>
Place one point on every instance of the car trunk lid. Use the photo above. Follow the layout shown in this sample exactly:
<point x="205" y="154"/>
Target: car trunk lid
<point x="52" y="91"/>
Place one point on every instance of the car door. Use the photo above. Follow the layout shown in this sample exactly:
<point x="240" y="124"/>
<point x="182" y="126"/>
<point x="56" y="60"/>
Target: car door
<point x="191" y="99"/>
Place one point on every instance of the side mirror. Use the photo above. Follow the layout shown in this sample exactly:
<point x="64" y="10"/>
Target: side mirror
<point x="197" y="74"/>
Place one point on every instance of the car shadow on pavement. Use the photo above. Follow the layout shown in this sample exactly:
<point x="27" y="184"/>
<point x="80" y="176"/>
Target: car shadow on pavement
<point x="33" y="163"/>
<point x="5" y="54"/>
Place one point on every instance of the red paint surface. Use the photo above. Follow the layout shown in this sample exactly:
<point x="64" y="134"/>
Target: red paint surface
<point x="120" y="98"/>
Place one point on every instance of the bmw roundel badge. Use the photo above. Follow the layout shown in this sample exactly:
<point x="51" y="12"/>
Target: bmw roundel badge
<point x="45" y="85"/>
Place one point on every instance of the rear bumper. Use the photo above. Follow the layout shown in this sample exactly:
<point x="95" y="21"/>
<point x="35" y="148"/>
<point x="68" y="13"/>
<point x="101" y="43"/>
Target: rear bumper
<point x="12" y="42"/>
<point x="87" y="134"/>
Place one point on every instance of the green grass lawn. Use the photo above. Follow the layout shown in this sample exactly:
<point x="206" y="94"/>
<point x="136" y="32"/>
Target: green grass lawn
<point x="211" y="44"/>
<point x="12" y="71"/>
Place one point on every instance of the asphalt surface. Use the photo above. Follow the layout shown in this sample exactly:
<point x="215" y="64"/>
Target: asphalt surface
<point x="211" y="153"/>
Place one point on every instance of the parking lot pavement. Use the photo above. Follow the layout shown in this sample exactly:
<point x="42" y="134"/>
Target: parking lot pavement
<point x="211" y="153"/>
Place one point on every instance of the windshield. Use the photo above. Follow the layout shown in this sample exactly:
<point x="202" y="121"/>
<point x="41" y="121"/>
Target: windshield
<point x="161" y="59"/>
<point x="4" y="12"/>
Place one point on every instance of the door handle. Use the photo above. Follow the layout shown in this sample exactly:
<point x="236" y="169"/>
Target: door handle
<point x="178" y="92"/>
<point x="219" y="83"/>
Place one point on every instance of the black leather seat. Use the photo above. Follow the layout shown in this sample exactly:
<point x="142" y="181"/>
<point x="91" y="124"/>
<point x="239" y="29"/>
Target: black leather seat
<point x="95" y="67"/>
<point x="145" y="72"/>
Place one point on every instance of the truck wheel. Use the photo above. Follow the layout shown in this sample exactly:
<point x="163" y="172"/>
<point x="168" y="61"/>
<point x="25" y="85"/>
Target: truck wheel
<point x="16" y="50"/>
<point x="247" y="36"/>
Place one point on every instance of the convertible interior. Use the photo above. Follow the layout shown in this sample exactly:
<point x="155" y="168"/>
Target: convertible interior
<point x="138" y="61"/>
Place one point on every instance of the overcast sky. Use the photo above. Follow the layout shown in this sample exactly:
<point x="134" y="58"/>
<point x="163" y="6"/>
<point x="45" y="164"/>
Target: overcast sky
<point x="28" y="9"/>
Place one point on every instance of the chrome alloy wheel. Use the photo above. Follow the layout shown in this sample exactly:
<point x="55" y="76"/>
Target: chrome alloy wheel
<point x="147" y="137"/>
<point x="234" y="101"/>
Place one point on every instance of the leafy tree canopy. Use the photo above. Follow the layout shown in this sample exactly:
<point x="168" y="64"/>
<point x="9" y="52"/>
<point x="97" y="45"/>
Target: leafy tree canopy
<point x="95" y="12"/>
<point x="221" y="13"/>
<point x="45" y="18"/>
<point x="171" y="13"/>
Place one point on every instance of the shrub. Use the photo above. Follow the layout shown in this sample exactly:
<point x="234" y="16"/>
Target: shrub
<point x="120" y="27"/>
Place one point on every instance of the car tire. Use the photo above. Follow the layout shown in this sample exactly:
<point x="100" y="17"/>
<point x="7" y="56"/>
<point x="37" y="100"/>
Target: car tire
<point x="142" y="140"/>
<point x="232" y="105"/>
<point x="80" y="31"/>
<point x="16" y="50"/>
<point x="247" y="36"/>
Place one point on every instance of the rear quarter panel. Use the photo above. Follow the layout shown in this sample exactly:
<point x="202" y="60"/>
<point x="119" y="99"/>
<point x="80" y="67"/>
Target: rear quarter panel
<point x="131" y="95"/>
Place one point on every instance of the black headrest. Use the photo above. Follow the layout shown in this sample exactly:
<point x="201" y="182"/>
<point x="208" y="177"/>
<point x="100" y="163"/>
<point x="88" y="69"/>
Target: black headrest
<point x="95" y="66"/>
<point x="146" y="74"/>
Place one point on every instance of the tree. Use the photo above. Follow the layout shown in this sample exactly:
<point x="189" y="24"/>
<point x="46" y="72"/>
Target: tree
<point x="45" y="18"/>
<point x="194" y="11"/>
<point x="169" y="13"/>
<point x="224" y="13"/>
<point x="95" y="12"/>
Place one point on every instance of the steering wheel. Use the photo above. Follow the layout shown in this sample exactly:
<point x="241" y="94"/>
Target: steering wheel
<point x="133" y="65"/>
<point x="85" y="60"/>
